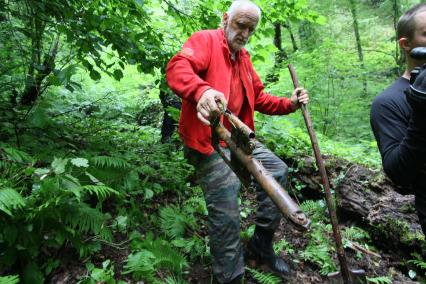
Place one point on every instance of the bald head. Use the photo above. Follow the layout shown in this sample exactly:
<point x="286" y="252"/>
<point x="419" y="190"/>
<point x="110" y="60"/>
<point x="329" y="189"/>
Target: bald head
<point x="245" y="6"/>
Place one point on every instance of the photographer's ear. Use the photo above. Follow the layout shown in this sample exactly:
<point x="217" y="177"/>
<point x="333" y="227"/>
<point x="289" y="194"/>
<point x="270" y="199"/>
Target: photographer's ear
<point x="404" y="44"/>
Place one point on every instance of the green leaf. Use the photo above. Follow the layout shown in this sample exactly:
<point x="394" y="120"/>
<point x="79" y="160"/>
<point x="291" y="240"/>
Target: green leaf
<point x="139" y="2"/>
<point x="17" y="155"/>
<point x="118" y="74"/>
<point x="72" y="184"/>
<point x="80" y="162"/>
<point x="9" y="200"/>
<point x="32" y="274"/>
<point x="39" y="117"/>
<point x="58" y="165"/>
<point x="148" y="193"/>
<point x="95" y="75"/>
<point x="41" y="171"/>
<point x="11" y="279"/>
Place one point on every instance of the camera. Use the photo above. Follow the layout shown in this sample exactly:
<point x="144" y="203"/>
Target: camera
<point x="416" y="93"/>
<point x="418" y="53"/>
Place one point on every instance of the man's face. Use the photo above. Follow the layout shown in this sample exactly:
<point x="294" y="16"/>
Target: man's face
<point x="419" y="38"/>
<point x="239" y="28"/>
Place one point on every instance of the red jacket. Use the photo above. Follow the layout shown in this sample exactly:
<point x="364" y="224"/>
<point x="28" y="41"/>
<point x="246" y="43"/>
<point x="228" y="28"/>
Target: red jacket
<point x="203" y="63"/>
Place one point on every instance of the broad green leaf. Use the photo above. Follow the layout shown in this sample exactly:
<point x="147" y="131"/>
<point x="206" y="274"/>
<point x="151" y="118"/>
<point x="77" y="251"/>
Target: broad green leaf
<point x="95" y="75"/>
<point x="11" y="279"/>
<point x="80" y="162"/>
<point x="58" y="165"/>
<point x="118" y="74"/>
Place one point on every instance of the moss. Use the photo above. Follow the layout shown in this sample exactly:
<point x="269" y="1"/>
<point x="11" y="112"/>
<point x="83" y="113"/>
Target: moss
<point x="401" y="230"/>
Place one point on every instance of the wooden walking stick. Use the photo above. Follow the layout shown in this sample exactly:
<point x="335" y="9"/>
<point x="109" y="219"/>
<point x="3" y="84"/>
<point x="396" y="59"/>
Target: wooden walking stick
<point x="348" y="276"/>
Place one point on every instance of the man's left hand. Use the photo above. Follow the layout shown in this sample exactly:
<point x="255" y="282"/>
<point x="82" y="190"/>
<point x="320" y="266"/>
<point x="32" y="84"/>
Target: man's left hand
<point x="300" y="96"/>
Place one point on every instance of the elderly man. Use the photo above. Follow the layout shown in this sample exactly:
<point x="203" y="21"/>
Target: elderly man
<point x="398" y="119"/>
<point x="211" y="72"/>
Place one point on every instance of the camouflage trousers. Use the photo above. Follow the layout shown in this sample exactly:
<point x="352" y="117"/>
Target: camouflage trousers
<point x="221" y="188"/>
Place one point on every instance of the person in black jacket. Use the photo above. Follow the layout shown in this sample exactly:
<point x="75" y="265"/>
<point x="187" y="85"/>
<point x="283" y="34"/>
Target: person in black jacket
<point x="399" y="122"/>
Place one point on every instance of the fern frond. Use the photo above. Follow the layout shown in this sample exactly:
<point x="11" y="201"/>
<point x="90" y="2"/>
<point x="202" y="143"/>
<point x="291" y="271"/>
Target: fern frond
<point x="167" y="258"/>
<point x="419" y="263"/>
<point x="17" y="155"/>
<point x="354" y="233"/>
<point x="101" y="191"/>
<point x="283" y="245"/>
<point x="11" y="279"/>
<point x="140" y="264"/>
<point x="111" y="162"/>
<point x="173" y="222"/>
<point x="315" y="210"/>
<point x="86" y="219"/>
<point x="263" y="277"/>
<point x="196" y="204"/>
<point x="194" y="246"/>
<point x="10" y="200"/>
<point x="174" y="280"/>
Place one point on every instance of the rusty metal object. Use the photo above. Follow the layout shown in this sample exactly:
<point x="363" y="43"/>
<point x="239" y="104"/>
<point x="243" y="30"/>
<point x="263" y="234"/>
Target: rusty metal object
<point x="347" y="276"/>
<point x="274" y="190"/>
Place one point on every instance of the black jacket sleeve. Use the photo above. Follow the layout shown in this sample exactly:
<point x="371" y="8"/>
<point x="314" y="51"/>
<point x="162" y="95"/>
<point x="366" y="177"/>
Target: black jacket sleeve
<point x="400" y="136"/>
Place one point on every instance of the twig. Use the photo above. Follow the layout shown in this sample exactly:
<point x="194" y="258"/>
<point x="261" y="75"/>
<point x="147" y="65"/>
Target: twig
<point x="360" y="248"/>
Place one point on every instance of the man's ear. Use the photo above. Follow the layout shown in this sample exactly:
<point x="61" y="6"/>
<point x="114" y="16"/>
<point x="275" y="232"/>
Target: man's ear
<point x="225" y="19"/>
<point x="404" y="44"/>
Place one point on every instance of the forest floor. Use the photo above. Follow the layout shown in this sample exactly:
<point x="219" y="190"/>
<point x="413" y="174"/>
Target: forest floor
<point x="389" y="264"/>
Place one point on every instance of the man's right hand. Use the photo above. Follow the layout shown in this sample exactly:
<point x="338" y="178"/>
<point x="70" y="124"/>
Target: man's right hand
<point x="416" y="95"/>
<point x="210" y="105"/>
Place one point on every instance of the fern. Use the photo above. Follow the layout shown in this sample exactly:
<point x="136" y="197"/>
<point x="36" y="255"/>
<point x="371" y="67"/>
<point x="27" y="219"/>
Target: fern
<point x="264" y="278"/>
<point x="88" y="220"/>
<point x="354" y="233"/>
<point x="319" y="248"/>
<point x="194" y="246"/>
<point x="315" y="210"/>
<point x="100" y="191"/>
<point x="173" y="280"/>
<point x="141" y="265"/>
<point x="419" y="263"/>
<point x="10" y="200"/>
<point x="196" y="204"/>
<point x="17" y="155"/>
<point x="167" y="258"/>
<point x="173" y="222"/>
<point x="283" y="245"/>
<point x="379" y="280"/>
<point x="155" y="255"/>
<point x="111" y="162"/>
<point x="12" y="279"/>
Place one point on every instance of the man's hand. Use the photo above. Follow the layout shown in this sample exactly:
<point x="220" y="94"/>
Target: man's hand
<point x="210" y="105"/>
<point x="416" y="94"/>
<point x="300" y="96"/>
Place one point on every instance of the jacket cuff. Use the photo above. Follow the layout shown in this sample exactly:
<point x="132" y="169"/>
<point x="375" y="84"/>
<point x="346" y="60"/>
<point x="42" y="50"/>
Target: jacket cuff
<point x="200" y="91"/>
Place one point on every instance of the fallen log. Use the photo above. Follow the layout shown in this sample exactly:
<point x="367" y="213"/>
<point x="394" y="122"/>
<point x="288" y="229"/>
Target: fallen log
<point x="368" y="198"/>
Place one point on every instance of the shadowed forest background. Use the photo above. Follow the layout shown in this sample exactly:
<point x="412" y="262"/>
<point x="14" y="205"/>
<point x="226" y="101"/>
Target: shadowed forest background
<point x="91" y="180"/>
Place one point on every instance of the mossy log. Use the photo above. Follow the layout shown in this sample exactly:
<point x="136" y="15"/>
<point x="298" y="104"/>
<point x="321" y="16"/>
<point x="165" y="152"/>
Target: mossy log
<point x="368" y="198"/>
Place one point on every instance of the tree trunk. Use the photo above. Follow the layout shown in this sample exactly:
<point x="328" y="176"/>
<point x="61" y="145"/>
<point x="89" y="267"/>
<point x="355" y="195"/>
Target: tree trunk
<point x="293" y="40"/>
<point x="369" y="199"/>
<point x="399" y="54"/>
<point x="280" y="55"/>
<point x="359" y="46"/>
<point x="168" y="126"/>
